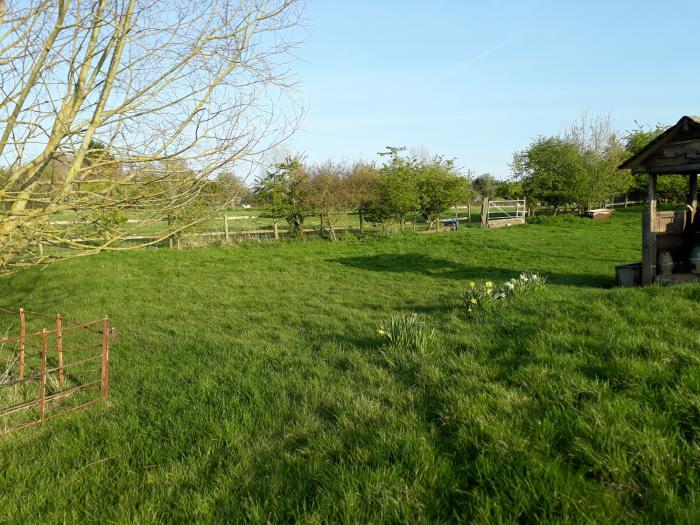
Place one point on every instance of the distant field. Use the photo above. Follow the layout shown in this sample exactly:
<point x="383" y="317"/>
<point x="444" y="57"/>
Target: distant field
<point x="249" y="385"/>
<point x="243" y="225"/>
<point x="246" y="219"/>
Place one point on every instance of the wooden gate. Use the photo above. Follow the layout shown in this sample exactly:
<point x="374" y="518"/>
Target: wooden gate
<point x="501" y="213"/>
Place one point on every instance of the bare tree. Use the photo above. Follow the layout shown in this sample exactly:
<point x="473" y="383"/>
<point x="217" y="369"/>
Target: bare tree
<point x="362" y="189"/>
<point x="97" y="96"/>
<point x="328" y="194"/>
<point x="602" y="151"/>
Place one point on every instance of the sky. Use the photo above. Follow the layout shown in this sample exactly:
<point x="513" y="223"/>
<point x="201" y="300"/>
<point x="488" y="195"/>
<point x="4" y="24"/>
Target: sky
<point x="480" y="79"/>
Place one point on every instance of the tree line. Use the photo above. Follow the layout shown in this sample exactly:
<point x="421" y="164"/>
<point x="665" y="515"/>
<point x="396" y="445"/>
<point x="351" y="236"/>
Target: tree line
<point x="578" y="169"/>
<point x="402" y="186"/>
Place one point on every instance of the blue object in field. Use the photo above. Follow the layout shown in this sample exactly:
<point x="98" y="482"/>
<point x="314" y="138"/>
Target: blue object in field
<point x="451" y="222"/>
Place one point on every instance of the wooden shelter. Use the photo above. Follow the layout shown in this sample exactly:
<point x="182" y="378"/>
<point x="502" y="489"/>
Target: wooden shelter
<point x="674" y="152"/>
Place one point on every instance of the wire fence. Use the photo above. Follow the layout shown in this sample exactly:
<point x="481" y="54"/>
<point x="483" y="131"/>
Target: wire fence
<point x="47" y="372"/>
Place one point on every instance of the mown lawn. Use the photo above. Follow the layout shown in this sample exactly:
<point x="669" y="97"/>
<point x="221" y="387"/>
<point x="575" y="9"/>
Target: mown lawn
<point x="249" y="385"/>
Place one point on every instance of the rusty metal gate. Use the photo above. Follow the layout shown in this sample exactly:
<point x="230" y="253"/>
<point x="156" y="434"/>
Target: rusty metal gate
<point x="47" y="372"/>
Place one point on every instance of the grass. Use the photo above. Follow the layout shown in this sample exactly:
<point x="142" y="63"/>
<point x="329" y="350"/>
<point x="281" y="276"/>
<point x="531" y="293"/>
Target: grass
<point x="250" y="384"/>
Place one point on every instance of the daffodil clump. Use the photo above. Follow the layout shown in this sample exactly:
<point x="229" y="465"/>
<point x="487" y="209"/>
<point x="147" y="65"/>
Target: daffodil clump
<point x="407" y="333"/>
<point x="483" y="294"/>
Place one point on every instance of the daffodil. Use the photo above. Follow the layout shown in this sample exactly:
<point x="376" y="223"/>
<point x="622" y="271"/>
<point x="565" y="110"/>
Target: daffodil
<point x="473" y="301"/>
<point x="381" y="332"/>
<point x="472" y="284"/>
<point x="488" y="284"/>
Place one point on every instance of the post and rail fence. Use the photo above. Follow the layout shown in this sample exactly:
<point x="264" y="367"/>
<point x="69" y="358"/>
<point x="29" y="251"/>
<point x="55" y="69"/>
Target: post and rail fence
<point x="47" y="372"/>
<point x="494" y="214"/>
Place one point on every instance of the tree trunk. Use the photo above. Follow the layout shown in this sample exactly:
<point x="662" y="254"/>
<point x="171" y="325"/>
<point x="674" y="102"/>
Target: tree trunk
<point x="362" y="224"/>
<point x="331" y="228"/>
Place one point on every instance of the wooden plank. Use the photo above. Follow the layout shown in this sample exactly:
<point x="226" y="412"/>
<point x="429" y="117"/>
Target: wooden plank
<point x="502" y="223"/>
<point x="675" y="168"/>
<point x="682" y="148"/>
<point x="649" y="236"/>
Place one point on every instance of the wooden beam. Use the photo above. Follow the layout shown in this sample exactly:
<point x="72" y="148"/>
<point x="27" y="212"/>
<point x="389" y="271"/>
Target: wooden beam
<point x="693" y="198"/>
<point x="649" y="236"/>
<point x="485" y="212"/>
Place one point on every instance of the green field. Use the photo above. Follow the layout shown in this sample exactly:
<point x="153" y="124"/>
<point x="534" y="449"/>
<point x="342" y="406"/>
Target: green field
<point x="249" y="384"/>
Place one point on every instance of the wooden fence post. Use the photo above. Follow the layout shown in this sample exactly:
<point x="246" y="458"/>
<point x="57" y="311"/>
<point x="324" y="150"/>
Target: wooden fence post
<point x="274" y="226"/>
<point x="22" y="335"/>
<point x="59" y="348"/>
<point x="104" y="381"/>
<point x="485" y="212"/>
<point x="226" y="228"/>
<point x="649" y="236"/>
<point x="469" y="214"/>
<point x="42" y="398"/>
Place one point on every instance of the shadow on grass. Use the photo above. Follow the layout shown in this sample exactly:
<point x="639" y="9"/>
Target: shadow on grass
<point x="419" y="264"/>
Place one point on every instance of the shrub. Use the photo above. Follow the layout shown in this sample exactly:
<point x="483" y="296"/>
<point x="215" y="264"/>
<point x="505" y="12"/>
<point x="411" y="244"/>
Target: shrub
<point x="405" y="333"/>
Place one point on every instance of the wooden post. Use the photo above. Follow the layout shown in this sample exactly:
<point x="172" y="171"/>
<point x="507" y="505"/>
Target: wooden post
<point x="226" y="228"/>
<point x="649" y="236"/>
<point x="42" y="398"/>
<point x="693" y="198"/>
<point x="22" y="336"/>
<point x="274" y="226"/>
<point x="104" y="380"/>
<point x="469" y="214"/>
<point x="59" y="348"/>
<point x="362" y="225"/>
<point x="485" y="212"/>
<point x="40" y="245"/>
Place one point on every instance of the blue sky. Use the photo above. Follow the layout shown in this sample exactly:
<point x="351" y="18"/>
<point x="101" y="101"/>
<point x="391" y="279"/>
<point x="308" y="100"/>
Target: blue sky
<point x="478" y="79"/>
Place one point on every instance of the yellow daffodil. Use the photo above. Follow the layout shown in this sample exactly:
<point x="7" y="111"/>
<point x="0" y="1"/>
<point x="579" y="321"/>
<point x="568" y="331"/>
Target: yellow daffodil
<point x="381" y="332"/>
<point x="472" y="284"/>
<point x="473" y="301"/>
